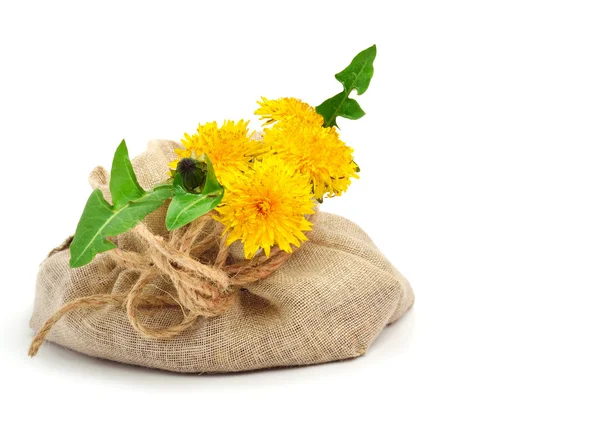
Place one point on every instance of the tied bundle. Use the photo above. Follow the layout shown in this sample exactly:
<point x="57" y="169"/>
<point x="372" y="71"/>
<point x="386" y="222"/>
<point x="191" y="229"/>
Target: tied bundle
<point x="167" y="241"/>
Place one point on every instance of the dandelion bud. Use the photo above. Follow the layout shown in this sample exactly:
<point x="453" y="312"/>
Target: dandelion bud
<point x="193" y="174"/>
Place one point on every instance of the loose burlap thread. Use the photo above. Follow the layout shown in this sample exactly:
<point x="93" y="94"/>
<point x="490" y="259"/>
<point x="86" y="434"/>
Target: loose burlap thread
<point x="184" y="302"/>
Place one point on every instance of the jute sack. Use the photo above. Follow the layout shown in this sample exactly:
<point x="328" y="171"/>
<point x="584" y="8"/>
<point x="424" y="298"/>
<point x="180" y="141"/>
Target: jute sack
<point x="327" y="302"/>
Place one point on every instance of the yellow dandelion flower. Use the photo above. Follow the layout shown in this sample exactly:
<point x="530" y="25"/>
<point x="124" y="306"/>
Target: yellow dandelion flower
<point x="315" y="151"/>
<point x="229" y="147"/>
<point x="287" y="108"/>
<point x="267" y="206"/>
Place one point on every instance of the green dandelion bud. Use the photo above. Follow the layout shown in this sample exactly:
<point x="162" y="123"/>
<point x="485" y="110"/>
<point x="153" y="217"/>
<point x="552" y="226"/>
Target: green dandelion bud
<point x="193" y="174"/>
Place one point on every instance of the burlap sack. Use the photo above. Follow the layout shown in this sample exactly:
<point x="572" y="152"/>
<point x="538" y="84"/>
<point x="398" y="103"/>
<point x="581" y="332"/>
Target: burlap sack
<point x="328" y="302"/>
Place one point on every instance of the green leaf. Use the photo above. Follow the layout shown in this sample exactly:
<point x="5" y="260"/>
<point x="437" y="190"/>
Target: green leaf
<point x="186" y="207"/>
<point x="357" y="76"/>
<point x="124" y="186"/>
<point x="341" y="105"/>
<point x="101" y="220"/>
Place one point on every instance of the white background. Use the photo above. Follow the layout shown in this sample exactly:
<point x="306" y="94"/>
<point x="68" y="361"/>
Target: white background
<point x="479" y="158"/>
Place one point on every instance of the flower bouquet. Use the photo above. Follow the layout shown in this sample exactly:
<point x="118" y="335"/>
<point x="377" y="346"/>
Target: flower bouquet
<point x="210" y="255"/>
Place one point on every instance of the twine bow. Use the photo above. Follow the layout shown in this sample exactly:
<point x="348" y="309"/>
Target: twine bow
<point x="195" y="261"/>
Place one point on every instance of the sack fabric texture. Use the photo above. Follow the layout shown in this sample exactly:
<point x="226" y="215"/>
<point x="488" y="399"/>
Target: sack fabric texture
<point x="328" y="302"/>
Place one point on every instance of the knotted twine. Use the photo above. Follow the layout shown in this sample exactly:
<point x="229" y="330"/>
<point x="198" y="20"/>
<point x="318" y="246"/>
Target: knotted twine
<point x="195" y="259"/>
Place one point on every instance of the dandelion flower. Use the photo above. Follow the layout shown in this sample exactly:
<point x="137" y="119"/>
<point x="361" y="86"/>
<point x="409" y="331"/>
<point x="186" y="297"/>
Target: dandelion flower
<point x="266" y="206"/>
<point x="287" y="108"/>
<point x="229" y="148"/>
<point x="315" y="151"/>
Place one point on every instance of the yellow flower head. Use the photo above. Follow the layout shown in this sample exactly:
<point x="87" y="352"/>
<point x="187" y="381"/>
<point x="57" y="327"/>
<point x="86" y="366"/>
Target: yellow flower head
<point x="229" y="147"/>
<point x="287" y="108"/>
<point x="315" y="151"/>
<point x="266" y="206"/>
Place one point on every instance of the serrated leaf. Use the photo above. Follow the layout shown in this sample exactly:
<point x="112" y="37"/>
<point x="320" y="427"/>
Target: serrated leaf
<point x="186" y="207"/>
<point x="101" y="220"/>
<point x="342" y="106"/>
<point x="357" y="76"/>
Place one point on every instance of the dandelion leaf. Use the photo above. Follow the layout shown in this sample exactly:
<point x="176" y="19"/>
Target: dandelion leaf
<point x="357" y="76"/>
<point x="100" y="220"/>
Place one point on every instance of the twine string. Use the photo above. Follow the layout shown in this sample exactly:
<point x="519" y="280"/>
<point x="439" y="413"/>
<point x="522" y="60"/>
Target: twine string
<point x="194" y="260"/>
